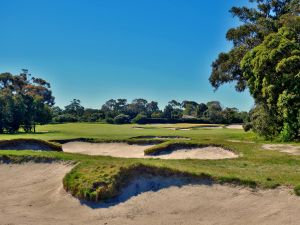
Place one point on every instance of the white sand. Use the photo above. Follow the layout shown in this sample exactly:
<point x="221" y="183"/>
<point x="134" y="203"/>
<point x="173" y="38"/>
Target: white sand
<point x="137" y="151"/>
<point x="235" y="126"/>
<point x="240" y="141"/>
<point x="33" y="194"/>
<point x="287" y="148"/>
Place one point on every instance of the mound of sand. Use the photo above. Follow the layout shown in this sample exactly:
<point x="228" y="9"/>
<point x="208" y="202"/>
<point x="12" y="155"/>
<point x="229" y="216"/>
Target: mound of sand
<point x="125" y="150"/>
<point x="33" y="194"/>
<point x="291" y="149"/>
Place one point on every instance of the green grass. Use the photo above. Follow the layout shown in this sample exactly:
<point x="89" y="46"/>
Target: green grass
<point x="98" y="177"/>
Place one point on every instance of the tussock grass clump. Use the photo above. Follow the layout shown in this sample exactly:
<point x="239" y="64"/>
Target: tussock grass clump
<point x="297" y="190"/>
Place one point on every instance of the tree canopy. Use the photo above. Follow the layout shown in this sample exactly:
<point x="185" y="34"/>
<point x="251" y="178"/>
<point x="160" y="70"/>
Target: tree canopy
<point x="24" y="102"/>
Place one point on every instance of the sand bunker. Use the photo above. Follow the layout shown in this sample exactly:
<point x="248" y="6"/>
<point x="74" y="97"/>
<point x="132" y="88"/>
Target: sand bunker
<point x="162" y="137"/>
<point x="125" y="150"/>
<point x="240" y="141"/>
<point x="27" y="145"/>
<point x="33" y="194"/>
<point x="235" y="126"/>
<point x="291" y="149"/>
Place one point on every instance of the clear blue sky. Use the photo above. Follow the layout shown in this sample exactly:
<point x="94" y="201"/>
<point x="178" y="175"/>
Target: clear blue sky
<point x="95" y="50"/>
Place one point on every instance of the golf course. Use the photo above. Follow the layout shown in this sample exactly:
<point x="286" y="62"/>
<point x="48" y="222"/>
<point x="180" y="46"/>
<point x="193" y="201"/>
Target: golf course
<point x="150" y="112"/>
<point x="111" y="189"/>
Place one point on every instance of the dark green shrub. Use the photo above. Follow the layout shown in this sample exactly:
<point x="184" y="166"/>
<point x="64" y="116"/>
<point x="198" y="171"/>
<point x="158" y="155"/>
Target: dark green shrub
<point x="121" y="119"/>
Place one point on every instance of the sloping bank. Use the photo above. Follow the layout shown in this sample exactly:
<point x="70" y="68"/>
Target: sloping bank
<point x="29" y="144"/>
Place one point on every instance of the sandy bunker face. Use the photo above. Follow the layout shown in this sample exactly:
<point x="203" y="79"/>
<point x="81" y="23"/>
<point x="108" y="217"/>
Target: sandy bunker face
<point x="25" y="145"/>
<point x="137" y="151"/>
<point x="33" y="194"/>
<point x="286" y="148"/>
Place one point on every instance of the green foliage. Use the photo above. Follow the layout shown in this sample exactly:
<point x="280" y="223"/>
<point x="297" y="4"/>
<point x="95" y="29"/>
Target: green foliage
<point x="25" y="102"/>
<point x="266" y="59"/>
<point x="297" y="190"/>
<point x="273" y="77"/>
<point x="122" y="119"/>
<point x="139" y="119"/>
<point x="264" y="18"/>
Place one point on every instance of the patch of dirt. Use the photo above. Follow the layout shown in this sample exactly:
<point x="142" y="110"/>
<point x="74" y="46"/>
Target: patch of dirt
<point x="286" y="148"/>
<point x="125" y="150"/>
<point x="33" y="194"/>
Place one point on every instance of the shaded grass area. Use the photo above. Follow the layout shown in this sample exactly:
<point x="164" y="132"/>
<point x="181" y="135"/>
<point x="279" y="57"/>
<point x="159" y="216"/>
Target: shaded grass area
<point x="100" y="177"/>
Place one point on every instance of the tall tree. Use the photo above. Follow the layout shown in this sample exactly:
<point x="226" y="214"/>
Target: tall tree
<point x="257" y="22"/>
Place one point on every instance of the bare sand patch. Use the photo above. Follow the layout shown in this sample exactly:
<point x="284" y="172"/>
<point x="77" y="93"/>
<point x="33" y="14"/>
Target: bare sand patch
<point x="162" y="137"/>
<point x="240" y="141"/>
<point x="125" y="150"/>
<point x="33" y="194"/>
<point x="287" y="148"/>
<point x="235" y="126"/>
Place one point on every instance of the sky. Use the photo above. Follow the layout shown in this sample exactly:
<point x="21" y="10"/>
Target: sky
<point x="96" y="50"/>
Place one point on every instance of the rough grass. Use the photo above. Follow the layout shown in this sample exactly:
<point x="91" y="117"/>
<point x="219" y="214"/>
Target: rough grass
<point x="297" y="190"/>
<point x="99" y="177"/>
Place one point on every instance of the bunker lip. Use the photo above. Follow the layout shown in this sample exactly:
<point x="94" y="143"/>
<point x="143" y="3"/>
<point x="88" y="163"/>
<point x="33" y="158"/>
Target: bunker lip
<point x="165" y="151"/>
<point x="29" y="144"/>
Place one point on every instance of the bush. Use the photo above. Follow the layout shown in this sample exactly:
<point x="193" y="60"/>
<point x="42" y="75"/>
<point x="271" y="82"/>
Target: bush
<point x="121" y="119"/>
<point x="140" y="119"/>
<point x="247" y="126"/>
<point x="109" y="120"/>
<point x="65" y="118"/>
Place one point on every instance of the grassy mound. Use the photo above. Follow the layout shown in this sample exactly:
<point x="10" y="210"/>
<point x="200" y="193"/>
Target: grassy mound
<point x="26" y="144"/>
<point x="109" y="180"/>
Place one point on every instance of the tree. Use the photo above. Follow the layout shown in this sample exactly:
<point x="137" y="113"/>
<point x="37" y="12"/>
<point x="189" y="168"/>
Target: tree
<point x="151" y="107"/>
<point x="272" y="71"/>
<point x="75" y="108"/>
<point x="27" y="101"/>
<point x="190" y="108"/>
<point x="257" y="23"/>
<point x="201" y="109"/>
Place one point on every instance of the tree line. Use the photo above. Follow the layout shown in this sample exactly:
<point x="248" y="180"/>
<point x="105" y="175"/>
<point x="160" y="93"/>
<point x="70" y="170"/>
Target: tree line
<point x="120" y="111"/>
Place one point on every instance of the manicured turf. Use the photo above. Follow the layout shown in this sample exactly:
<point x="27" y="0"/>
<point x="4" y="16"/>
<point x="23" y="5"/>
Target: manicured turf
<point x="99" y="177"/>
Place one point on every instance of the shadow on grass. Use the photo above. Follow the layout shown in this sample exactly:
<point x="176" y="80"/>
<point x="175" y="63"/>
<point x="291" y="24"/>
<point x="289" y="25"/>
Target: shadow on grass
<point x="145" y="183"/>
